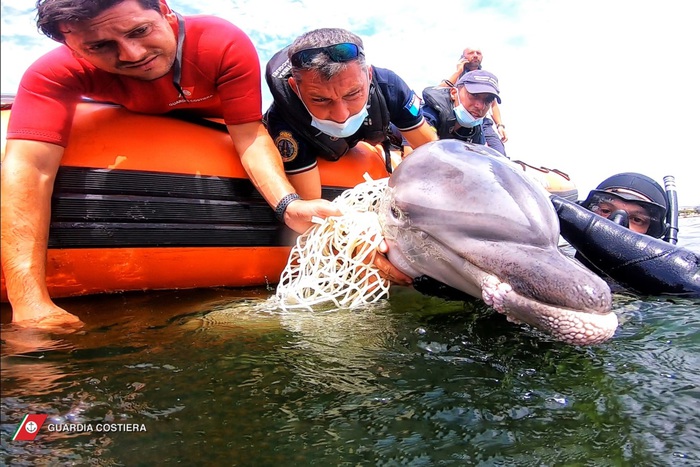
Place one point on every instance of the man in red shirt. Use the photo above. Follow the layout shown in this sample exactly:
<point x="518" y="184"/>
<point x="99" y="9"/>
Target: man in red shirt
<point x="147" y="58"/>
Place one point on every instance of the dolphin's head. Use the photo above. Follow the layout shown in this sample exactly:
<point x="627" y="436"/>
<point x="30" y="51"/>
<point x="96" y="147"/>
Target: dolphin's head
<point x="468" y="217"/>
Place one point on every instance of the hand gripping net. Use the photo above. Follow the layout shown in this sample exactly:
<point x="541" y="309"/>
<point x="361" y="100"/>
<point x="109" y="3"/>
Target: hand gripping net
<point x="333" y="261"/>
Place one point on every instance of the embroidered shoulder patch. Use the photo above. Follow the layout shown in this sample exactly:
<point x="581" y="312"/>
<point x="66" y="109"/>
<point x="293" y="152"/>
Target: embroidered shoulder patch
<point x="413" y="105"/>
<point x="287" y="146"/>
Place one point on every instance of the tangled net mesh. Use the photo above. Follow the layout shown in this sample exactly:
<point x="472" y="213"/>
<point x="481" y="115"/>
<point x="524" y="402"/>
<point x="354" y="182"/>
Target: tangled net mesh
<point x="334" y="260"/>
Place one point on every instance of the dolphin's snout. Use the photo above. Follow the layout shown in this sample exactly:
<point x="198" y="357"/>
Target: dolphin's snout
<point x="568" y="325"/>
<point x="553" y="278"/>
<point x="478" y="224"/>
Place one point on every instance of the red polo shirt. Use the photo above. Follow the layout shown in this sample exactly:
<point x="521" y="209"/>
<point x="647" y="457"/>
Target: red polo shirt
<point x="220" y="78"/>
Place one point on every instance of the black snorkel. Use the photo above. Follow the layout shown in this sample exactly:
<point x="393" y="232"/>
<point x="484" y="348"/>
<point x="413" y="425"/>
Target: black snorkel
<point x="671" y="235"/>
<point x="620" y="217"/>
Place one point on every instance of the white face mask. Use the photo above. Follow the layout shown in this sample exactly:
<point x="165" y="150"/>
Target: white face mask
<point x="338" y="130"/>
<point x="465" y="118"/>
<point x="341" y="130"/>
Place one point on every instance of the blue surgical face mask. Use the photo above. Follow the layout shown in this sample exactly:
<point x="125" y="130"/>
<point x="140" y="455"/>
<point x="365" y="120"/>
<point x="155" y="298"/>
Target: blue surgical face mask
<point x="338" y="130"/>
<point x="464" y="118"/>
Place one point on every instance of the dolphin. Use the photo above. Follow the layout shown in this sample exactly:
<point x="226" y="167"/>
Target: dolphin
<point x="468" y="217"/>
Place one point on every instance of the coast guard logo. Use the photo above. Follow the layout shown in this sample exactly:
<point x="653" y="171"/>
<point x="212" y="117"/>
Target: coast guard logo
<point x="29" y="427"/>
<point x="287" y="146"/>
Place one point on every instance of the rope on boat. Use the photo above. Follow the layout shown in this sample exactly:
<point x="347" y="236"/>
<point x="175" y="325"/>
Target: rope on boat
<point x="333" y="261"/>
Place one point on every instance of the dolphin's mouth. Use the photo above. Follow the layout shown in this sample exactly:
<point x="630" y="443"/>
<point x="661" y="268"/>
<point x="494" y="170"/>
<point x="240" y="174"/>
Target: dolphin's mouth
<point x="568" y="325"/>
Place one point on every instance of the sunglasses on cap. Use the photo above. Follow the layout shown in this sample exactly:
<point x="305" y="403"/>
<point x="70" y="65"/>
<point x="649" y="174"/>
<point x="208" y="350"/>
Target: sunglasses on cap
<point x="338" y="53"/>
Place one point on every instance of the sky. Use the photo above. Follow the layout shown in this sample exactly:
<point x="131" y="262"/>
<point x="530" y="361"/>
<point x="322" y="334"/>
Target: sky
<point x="589" y="87"/>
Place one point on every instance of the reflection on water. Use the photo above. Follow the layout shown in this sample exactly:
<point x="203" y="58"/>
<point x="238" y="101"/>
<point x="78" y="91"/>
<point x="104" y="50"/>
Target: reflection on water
<point x="222" y="377"/>
<point x="689" y="233"/>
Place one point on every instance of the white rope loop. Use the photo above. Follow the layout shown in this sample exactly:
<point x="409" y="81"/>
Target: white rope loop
<point x="334" y="260"/>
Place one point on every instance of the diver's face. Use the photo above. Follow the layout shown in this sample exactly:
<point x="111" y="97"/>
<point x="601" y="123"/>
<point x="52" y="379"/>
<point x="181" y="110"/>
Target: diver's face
<point x="639" y="219"/>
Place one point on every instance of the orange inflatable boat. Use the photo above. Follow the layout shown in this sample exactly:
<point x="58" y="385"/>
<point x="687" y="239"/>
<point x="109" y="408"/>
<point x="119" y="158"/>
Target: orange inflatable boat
<point x="152" y="202"/>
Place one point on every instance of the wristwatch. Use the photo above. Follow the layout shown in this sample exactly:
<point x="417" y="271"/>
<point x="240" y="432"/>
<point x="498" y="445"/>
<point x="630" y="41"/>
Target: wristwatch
<point x="501" y="125"/>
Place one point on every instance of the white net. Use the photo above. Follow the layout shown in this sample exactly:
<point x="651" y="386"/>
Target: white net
<point x="334" y="260"/>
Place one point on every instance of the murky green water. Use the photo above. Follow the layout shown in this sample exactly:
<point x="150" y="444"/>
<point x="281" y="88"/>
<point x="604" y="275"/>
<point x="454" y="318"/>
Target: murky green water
<point x="221" y="377"/>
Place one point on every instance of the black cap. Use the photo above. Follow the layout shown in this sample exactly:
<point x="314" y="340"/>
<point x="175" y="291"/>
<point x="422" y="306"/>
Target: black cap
<point x="638" y="188"/>
<point x="635" y="187"/>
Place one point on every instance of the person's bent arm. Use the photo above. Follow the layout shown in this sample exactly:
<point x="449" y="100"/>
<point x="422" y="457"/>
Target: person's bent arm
<point x="307" y="184"/>
<point x="262" y="162"/>
<point x="420" y="135"/>
<point x="498" y="121"/>
<point x="28" y="173"/>
<point x="452" y="79"/>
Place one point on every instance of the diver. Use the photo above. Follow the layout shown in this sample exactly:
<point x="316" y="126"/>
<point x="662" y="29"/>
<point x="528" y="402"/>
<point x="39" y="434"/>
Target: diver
<point x="626" y="231"/>
<point x="635" y="201"/>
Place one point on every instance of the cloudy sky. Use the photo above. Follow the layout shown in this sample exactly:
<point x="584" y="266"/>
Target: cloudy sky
<point x="591" y="87"/>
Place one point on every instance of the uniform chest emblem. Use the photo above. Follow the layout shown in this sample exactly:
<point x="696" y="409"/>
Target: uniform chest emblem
<point x="287" y="146"/>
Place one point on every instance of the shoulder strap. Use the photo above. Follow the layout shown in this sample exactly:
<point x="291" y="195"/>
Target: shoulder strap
<point x="438" y="98"/>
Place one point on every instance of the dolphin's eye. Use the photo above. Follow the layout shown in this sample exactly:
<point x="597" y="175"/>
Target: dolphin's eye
<point x="395" y="212"/>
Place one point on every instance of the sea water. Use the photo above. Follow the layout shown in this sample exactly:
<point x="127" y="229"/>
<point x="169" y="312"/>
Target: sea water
<point x="221" y="377"/>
